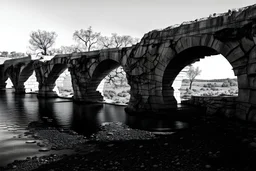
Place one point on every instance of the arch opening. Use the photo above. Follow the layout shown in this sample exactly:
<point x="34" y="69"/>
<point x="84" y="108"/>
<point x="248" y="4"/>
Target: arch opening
<point x="214" y="81"/>
<point x="110" y="80"/>
<point x="31" y="84"/>
<point x="63" y="85"/>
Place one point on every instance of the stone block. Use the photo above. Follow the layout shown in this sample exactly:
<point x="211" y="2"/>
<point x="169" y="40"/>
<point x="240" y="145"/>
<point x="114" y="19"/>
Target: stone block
<point x="236" y="54"/>
<point x="243" y="95"/>
<point x="242" y="62"/>
<point x="230" y="113"/>
<point x="155" y="100"/>
<point x="253" y="96"/>
<point x="252" y="56"/>
<point x="247" y="44"/>
<point x="251" y="69"/>
<point x="159" y="71"/>
<point x="240" y="71"/>
<point x="166" y="55"/>
<point x="207" y="40"/>
<point x="252" y="82"/>
<point x="187" y="42"/>
<point x="179" y="47"/>
<point x="243" y="81"/>
<point x="252" y="115"/>
<point x="141" y="51"/>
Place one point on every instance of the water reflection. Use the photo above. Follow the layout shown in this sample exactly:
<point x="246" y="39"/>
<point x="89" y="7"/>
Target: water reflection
<point x="17" y="111"/>
<point x="85" y="119"/>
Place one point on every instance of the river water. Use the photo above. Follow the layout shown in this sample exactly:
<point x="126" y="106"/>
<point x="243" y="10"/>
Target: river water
<point x="17" y="111"/>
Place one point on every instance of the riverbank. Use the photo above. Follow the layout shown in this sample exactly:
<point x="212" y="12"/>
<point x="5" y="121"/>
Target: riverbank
<point x="211" y="143"/>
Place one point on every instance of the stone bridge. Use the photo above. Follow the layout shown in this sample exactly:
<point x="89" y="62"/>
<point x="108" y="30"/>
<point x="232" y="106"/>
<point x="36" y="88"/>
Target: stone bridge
<point x="152" y="64"/>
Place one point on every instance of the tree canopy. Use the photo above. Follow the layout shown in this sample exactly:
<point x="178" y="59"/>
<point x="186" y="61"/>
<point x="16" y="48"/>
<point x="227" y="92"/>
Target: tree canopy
<point x="117" y="41"/>
<point x="88" y="37"/>
<point x="42" y="40"/>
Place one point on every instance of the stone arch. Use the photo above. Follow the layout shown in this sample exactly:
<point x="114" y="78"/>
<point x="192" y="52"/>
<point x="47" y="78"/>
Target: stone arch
<point x="19" y="74"/>
<point x="191" y="49"/>
<point x="56" y="70"/>
<point x="47" y="79"/>
<point x="231" y="50"/>
<point x="99" y="73"/>
<point x="26" y="72"/>
<point x="102" y="70"/>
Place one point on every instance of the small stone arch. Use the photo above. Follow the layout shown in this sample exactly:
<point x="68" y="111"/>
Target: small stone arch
<point x="18" y="74"/>
<point x="99" y="73"/>
<point x="47" y="76"/>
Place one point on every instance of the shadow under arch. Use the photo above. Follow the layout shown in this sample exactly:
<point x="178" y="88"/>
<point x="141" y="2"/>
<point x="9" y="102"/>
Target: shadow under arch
<point x="46" y="86"/>
<point x="180" y="61"/>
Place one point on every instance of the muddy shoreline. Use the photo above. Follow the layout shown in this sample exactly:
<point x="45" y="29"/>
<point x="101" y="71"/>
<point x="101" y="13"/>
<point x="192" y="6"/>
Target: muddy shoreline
<point x="210" y="143"/>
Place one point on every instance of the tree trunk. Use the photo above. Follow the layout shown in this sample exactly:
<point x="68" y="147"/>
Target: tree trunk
<point x="190" y="85"/>
<point x="45" y="51"/>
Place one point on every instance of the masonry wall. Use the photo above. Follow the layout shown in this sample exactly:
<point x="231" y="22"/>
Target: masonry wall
<point x="223" y="105"/>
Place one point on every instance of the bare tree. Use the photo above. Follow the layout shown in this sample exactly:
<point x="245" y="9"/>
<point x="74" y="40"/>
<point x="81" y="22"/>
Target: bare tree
<point x="42" y="40"/>
<point x="88" y="37"/>
<point x="117" y="77"/>
<point x="4" y="54"/>
<point x="117" y="41"/>
<point x="192" y="73"/>
<point x="65" y="50"/>
<point x="105" y="42"/>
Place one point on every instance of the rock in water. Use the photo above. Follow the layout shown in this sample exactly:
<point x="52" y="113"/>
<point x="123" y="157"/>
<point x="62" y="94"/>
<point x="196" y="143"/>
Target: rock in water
<point x="43" y="149"/>
<point x="30" y="141"/>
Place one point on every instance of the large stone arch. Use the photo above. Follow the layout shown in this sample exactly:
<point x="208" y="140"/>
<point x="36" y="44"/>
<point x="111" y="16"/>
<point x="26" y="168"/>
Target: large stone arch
<point x="238" y="52"/>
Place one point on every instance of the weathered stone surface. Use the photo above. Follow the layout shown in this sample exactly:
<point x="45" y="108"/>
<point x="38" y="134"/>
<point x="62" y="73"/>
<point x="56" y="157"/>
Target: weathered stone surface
<point x="252" y="56"/>
<point x="242" y="110"/>
<point x="152" y="64"/>
<point x="251" y="69"/>
<point x="243" y="95"/>
<point x="242" y="81"/>
<point x="216" y="105"/>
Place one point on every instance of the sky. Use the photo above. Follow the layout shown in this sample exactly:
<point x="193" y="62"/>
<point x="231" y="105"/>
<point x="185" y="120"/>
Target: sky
<point x="130" y="17"/>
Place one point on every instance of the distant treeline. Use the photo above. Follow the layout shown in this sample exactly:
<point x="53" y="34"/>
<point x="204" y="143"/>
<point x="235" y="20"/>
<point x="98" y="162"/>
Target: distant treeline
<point x="213" y="80"/>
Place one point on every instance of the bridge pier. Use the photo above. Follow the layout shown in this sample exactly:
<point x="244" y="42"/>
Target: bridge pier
<point x="47" y="91"/>
<point x="83" y="90"/>
<point x="20" y="89"/>
<point x="147" y="95"/>
<point x="2" y="85"/>
<point x="3" y="77"/>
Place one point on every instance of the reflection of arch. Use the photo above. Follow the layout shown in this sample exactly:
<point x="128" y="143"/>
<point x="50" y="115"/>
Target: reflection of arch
<point x="191" y="49"/>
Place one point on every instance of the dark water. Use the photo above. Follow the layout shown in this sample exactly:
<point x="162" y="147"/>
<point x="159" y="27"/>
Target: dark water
<point x="17" y="111"/>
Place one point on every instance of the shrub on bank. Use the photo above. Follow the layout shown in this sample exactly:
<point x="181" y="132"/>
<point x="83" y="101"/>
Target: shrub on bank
<point x="109" y="94"/>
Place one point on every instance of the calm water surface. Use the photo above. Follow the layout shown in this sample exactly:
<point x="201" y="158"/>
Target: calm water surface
<point x="17" y="111"/>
